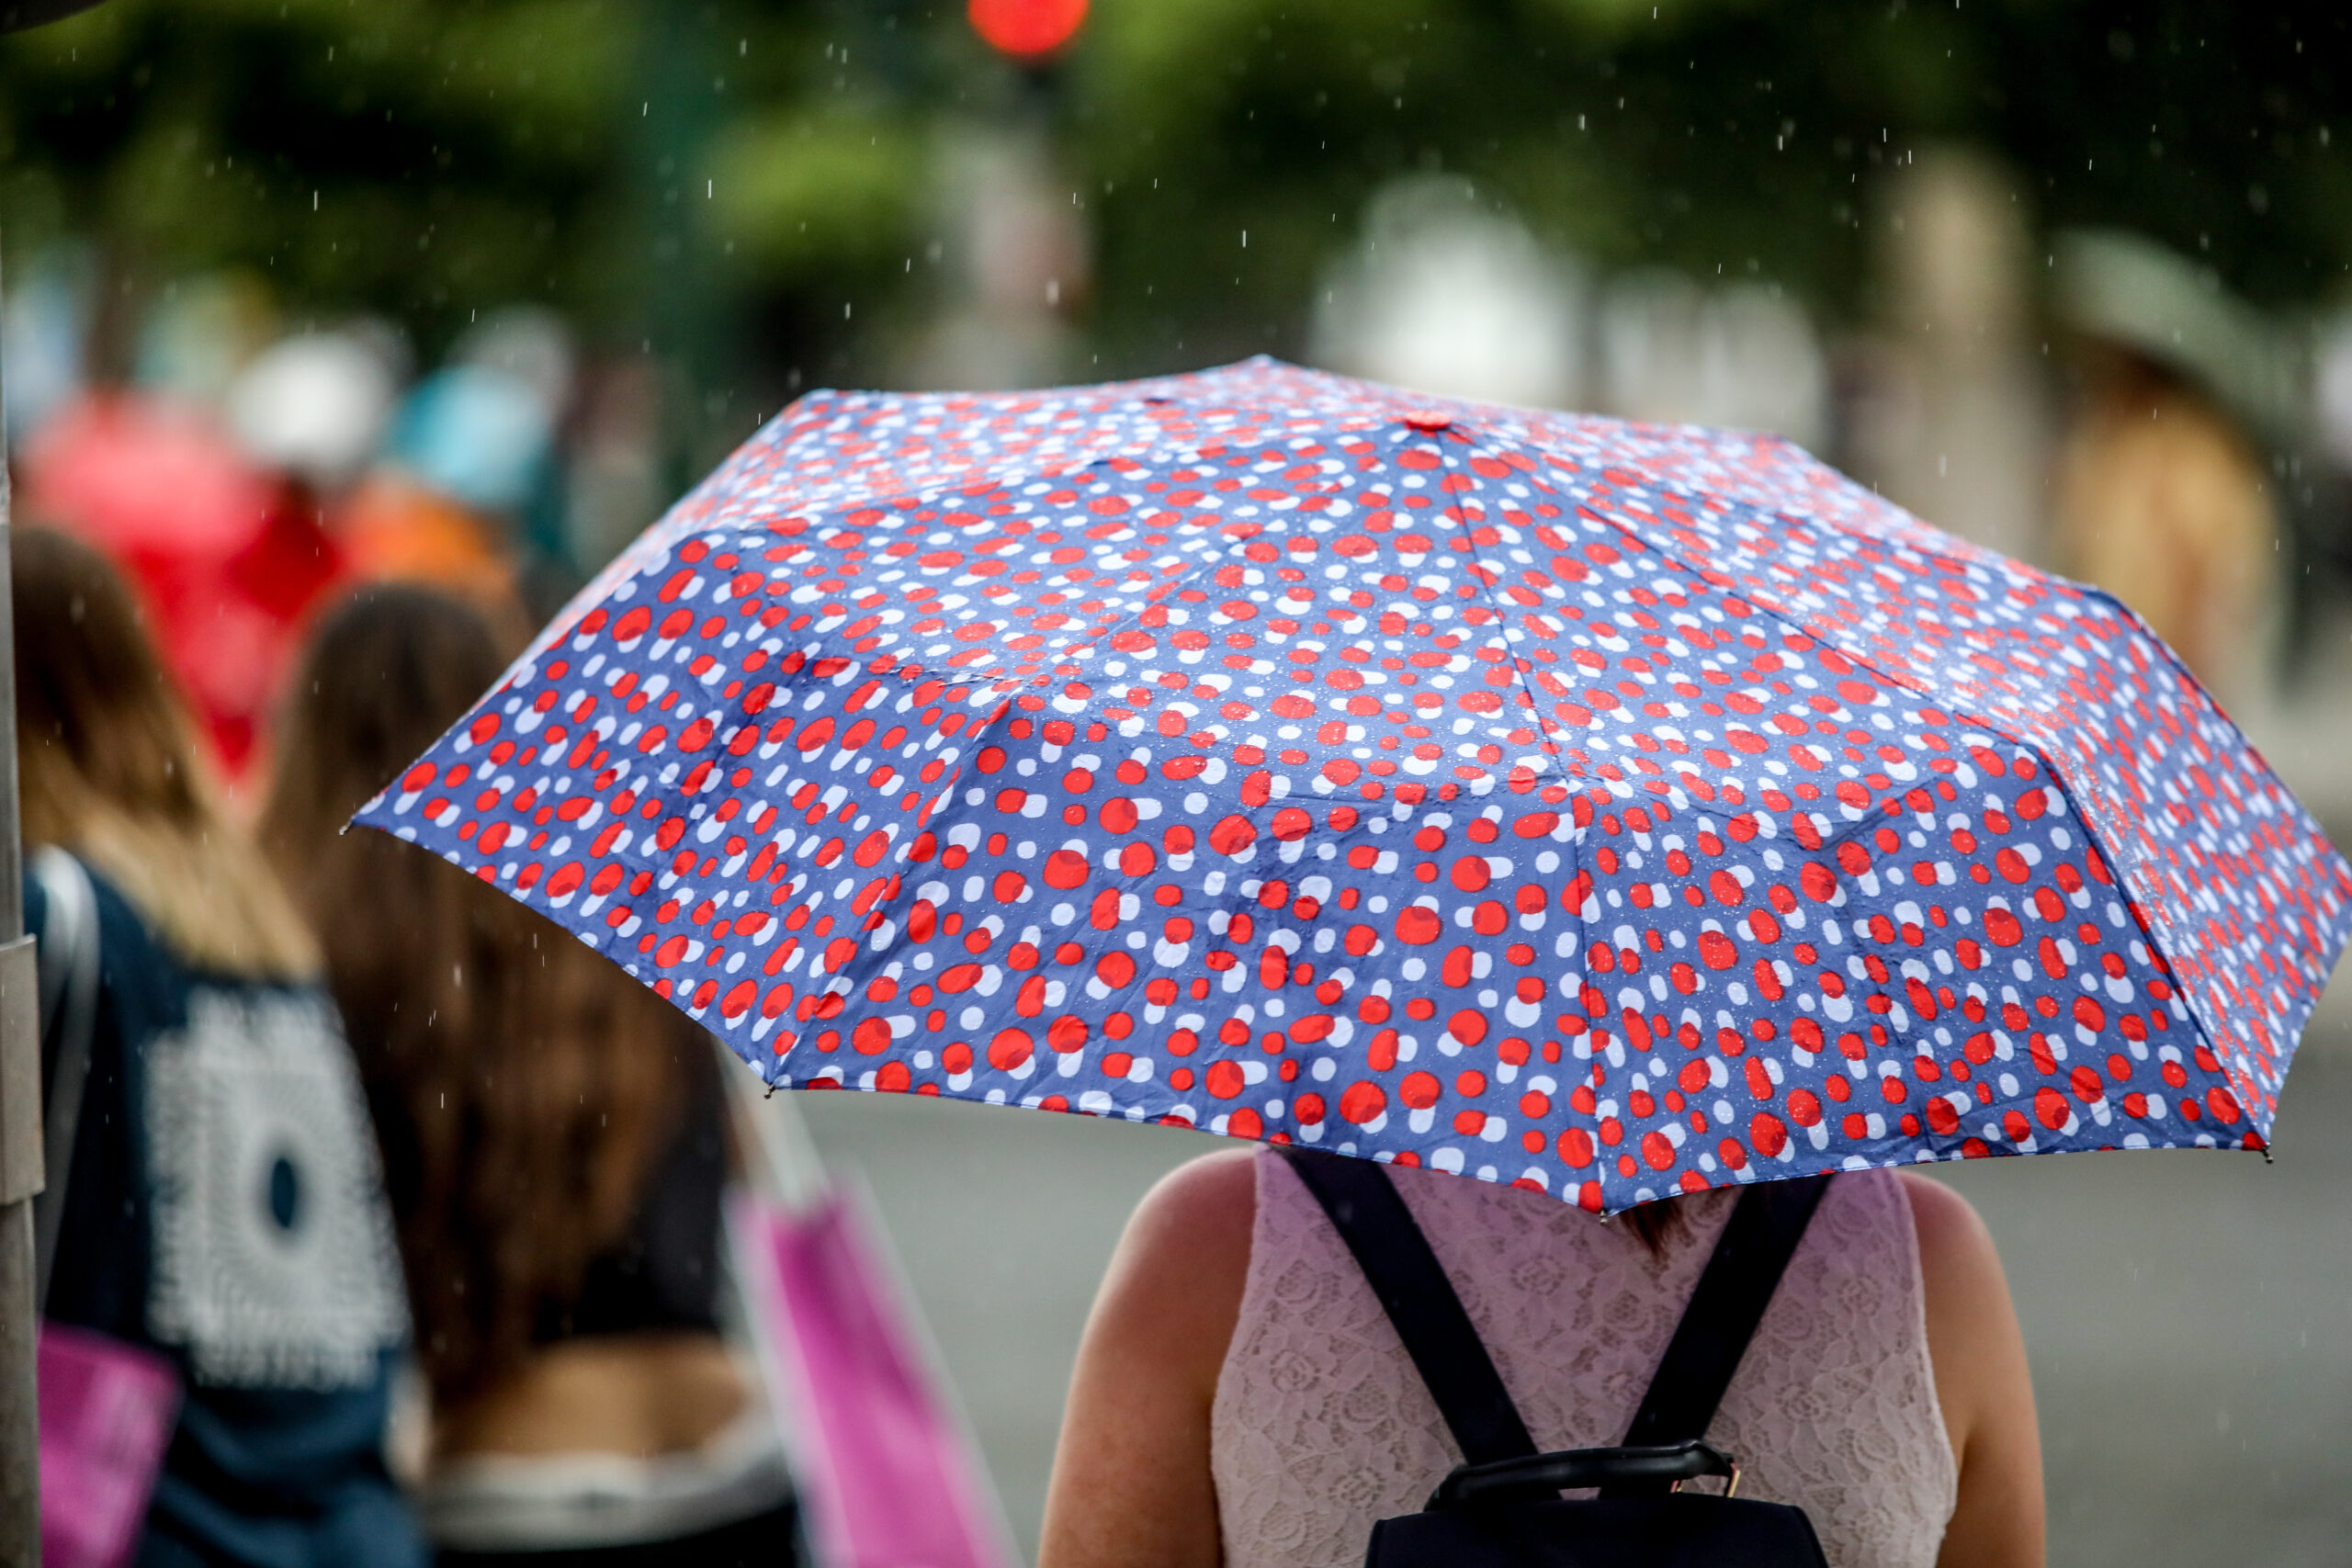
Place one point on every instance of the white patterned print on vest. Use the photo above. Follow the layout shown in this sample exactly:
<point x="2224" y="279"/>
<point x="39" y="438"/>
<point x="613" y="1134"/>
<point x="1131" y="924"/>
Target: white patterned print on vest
<point x="1321" y="1427"/>
<point x="274" y="1262"/>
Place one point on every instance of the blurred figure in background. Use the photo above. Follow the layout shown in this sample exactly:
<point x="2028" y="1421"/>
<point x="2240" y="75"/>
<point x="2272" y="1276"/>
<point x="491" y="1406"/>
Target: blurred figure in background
<point x="2161" y="502"/>
<point x="555" y="1138"/>
<point x="242" y="478"/>
<point x="467" y="495"/>
<point x="227" y="556"/>
<point x="2163" y="494"/>
<point x="224" y="1203"/>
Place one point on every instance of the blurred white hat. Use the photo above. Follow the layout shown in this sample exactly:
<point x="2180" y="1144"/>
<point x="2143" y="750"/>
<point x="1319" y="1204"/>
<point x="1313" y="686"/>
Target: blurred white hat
<point x="316" y="404"/>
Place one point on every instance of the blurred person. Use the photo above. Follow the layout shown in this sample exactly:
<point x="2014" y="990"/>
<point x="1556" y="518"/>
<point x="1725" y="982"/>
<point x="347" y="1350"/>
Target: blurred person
<point x="467" y="474"/>
<point x="224" y="1204"/>
<point x="556" y="1146"/>
<point x="2162" y="501"/>
<point x="228" y="558"/>
<point x="396" y="529"/>
<point x="2183" y="392"/>
<point x="1240" y="1397"/>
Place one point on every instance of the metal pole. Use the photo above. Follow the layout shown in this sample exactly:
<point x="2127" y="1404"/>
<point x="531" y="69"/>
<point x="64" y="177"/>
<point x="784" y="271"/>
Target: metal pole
<point x="20" y="1152"/>
<point x="21" y="1101"/>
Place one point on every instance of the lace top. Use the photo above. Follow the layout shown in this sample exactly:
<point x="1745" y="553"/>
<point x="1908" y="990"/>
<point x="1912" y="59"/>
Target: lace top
<point x="1321" y="1427"/>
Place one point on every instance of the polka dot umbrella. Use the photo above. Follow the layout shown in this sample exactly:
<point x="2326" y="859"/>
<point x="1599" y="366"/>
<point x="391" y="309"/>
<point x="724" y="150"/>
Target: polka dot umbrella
<point x="1616" y="809"/>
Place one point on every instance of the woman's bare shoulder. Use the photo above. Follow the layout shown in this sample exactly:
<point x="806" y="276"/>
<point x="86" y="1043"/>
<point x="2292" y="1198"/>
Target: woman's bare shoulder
<point x="1198" y="1218"/>
<point x="1173" y="1292"/>
<point x="1955" y="1249"/>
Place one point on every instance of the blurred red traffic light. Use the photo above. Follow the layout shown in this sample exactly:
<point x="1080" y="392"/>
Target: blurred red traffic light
<point x="1027" y="29"/>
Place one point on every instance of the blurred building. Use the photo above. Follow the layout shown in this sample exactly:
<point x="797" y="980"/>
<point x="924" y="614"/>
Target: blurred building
<point x="1742" y="357"/>
<point x="1947" y="410"/>
<point x="1447" y="291"/>
<point x="1016" y="264"/>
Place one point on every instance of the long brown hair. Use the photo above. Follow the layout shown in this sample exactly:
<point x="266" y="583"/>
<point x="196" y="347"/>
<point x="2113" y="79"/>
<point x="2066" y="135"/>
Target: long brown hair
<point x="108" y="767"/>
<point x="521" y="1083"/>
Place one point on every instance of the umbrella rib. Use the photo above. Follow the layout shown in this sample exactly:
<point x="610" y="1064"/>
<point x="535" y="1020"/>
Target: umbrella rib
<point x="1543" y="731"/>
<point x="2137" y="904"/>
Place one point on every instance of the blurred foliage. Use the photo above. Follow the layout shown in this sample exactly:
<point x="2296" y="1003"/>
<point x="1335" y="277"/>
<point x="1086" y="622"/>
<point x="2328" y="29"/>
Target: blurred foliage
<point x="412" y="158"/>
<point x="728" y="178"/>
<point x="803" y="194"/>
<point x="1719" y="136"/>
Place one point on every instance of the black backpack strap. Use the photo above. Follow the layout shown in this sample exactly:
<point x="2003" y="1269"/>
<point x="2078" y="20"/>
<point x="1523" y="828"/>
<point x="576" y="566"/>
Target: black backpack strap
<point x="1729" y="1302"/>
<point x="1405" y="1274"/>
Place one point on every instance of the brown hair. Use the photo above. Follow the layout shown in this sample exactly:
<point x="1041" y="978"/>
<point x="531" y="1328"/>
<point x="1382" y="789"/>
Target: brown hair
<point x="521" y="1083"/>
<point x="108" y="767"/>
<point x="1655" y="1223"/>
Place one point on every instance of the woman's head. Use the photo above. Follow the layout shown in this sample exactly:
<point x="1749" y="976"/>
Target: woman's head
<point x="385" y="674"/>
<point x="108" y="767"/>
<point x="521" y="1083"/>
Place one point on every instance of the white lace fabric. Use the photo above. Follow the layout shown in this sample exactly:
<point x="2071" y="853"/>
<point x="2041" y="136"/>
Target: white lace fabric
<point x="1321" y="1427"/>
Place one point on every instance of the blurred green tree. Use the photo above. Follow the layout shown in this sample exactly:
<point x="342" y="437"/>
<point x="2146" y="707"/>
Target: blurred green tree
<point x="435" y="158"/>
<point x="1718" y="136"/>
<point x="753" y="187"/>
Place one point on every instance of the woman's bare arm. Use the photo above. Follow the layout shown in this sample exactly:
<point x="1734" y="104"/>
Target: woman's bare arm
<point x="1983" y="1382"/>
<point x="1131" y="1486"/>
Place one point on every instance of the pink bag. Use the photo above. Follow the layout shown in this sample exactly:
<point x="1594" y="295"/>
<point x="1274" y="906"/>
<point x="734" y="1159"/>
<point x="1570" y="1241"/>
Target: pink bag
<point x="885" y="1473"/>
<point x="106" y="1412"/>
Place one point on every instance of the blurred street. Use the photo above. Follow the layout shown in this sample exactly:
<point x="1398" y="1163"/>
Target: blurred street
<point x="2183" y="1311"/>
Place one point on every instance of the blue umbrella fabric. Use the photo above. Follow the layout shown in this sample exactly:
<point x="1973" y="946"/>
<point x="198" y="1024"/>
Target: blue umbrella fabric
<point x="1616" y="810"/>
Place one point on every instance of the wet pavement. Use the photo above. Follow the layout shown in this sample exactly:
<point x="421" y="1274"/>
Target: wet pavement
<point x="2188" y="1314"/>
